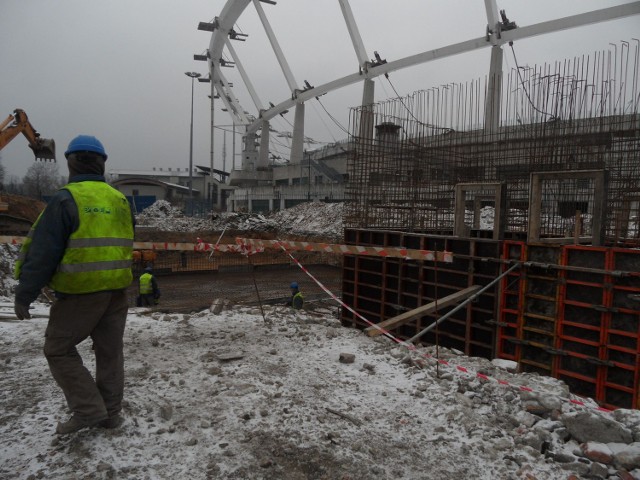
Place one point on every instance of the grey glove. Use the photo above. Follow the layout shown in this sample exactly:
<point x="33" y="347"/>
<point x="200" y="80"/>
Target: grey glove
<point x="22" y="311"/>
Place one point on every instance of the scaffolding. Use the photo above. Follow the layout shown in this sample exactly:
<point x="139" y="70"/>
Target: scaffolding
<point x="566" y="151"/>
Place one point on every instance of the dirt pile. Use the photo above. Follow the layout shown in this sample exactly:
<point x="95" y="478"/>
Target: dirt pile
<point x="22" y="207"/>
<point x="17" y="213"/>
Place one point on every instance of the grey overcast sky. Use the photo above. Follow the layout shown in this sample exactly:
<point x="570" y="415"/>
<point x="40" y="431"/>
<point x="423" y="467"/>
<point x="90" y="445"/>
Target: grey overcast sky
<point x="115" y="69"/>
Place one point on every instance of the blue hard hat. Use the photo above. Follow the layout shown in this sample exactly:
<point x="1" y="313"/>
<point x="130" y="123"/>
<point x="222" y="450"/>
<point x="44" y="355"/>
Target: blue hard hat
<point x="294" y="284"/>
<point x="85" y="143"/>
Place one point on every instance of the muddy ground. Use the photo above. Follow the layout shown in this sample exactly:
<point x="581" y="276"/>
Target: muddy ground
<point x="194" y="292"/>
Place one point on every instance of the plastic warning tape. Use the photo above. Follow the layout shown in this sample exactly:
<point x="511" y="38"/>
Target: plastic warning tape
<point x="248" y="246"/>
<point x="459" y="369"/>
<point x="12" y="240"/>
<point x="198" y="246"/>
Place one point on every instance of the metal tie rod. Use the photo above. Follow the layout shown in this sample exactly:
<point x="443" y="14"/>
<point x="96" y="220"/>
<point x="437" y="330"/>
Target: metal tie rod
<point x="471" y="298"/>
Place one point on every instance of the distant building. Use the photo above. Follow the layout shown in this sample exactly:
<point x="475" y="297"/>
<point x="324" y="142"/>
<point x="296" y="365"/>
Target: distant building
<point x="144" y="187"/>
<point x="321" y="176"/>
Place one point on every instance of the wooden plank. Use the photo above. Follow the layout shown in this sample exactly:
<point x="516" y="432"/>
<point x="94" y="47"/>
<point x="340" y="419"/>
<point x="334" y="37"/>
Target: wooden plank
<point x="395" y="322"/>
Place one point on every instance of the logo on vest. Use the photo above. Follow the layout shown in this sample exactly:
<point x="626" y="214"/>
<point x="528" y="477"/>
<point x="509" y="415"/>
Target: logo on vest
<point x="105" y="210"/>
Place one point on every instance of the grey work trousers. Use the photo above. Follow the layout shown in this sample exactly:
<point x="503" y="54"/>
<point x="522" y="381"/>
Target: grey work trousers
<point x="101" y="316"/>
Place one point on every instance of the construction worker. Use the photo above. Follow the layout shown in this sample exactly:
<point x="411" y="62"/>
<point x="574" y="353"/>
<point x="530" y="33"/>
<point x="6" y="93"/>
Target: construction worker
<point x="149" y="293"/>
<point x="81" y="247"/>
<point x="297" y="300"/>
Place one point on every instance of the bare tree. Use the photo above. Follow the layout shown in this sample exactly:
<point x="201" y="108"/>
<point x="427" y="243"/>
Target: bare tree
<point x="42" y="178"/>
<point x="2" y="172"/>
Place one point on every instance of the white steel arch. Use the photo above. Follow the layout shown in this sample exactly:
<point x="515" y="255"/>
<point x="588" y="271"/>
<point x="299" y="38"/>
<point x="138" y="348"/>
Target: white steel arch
<point x="495" y="37"/>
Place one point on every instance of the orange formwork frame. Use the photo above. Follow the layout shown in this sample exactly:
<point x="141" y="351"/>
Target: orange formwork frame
<point x="593" y="342"/>
<point x="509" y="310"/>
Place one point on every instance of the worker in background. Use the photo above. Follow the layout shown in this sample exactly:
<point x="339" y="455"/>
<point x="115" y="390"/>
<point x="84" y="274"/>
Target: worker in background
<point x="81" y="247"/>
<point x="148" y="288"/>
<point x="297" y="300"/>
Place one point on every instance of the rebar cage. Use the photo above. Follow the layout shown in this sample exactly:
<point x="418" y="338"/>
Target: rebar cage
<point x="576" y="122"/>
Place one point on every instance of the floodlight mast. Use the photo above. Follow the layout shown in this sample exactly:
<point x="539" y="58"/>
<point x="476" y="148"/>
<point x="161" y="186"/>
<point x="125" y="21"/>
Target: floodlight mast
<point x="193" y="76"/>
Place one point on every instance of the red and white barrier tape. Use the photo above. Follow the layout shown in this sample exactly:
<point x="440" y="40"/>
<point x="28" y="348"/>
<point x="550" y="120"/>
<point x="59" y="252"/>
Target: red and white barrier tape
<point x="384" y="252"/>
<point x="248" y="246"/>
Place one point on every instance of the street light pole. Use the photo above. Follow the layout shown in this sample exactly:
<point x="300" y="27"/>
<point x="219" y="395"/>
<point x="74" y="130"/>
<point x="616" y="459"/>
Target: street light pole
<point x="193" y="76"/>
<point x="308" y="155"/>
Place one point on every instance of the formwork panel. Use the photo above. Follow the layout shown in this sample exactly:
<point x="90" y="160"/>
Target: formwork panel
<point x="508" y="340"/>
<point x="599" y="325"/>
<point x="539" y="310"/>
<point x="472" y="328"/>
<point x="585" y="293"/>
<point x="585" y="385"/>
<point x="384" y="288"/>
<point x="535" y="357"/>
<point x="617" y="398"/>
<point x="620" y="378"/>
<point x="628" y="260"/>
<point x="622" y="340"/>
<point x="582" y="314"/>
<point x="582" y="319"/>
<point x="588" y="258"/>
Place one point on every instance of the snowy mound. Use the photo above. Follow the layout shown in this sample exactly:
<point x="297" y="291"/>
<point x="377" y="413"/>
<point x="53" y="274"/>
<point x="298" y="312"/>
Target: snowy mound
<point x="244" y="222"/>
<point x="164" y="216"/>
<point x="8" y="256"/>
<point x="314" y="218"/>
<point x="306" y="219"/>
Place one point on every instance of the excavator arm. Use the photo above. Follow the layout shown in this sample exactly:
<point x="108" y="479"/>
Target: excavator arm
<point x="17" y="122"/>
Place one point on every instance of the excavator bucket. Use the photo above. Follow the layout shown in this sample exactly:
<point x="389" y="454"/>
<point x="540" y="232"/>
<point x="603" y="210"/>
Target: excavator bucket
<point x="45" y="149"/>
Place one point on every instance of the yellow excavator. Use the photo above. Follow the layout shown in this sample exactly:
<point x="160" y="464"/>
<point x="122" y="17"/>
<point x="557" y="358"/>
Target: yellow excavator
<point x="43" y="148"/>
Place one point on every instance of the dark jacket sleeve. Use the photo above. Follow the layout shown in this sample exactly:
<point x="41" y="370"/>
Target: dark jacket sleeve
<point x="58" y="221"/>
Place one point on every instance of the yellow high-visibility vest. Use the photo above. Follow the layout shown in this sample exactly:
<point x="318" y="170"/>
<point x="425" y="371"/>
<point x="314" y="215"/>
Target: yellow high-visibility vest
<point x="146" y="287"/>
<point x="98" y="254"/>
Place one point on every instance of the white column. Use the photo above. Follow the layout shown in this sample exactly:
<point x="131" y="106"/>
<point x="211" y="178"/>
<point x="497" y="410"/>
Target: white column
<point x="297" y="142"/>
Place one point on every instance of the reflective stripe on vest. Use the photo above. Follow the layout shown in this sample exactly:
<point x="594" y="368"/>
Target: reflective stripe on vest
<point x="98" y="242"/>
<point x="145" y="284"/>
<point x="98" y="254"/>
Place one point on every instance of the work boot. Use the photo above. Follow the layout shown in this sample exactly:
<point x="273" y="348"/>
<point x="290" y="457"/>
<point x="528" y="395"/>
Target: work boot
<point x="74" y="424"/>
<point x="112" y="422"/>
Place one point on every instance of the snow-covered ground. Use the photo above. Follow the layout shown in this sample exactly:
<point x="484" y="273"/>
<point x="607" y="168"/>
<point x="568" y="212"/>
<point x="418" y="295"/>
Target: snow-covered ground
<point x="239" y="396"/>
<point x="293" y="396"/>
